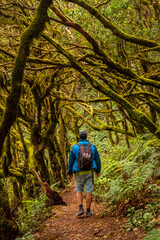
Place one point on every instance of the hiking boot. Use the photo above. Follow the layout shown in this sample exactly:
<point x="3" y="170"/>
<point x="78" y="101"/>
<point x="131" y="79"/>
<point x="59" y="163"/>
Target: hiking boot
<point x="80" y="212"/>
<point x="89" y="214"/>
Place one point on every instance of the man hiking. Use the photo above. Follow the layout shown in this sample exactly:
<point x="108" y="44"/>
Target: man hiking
<point x="84" y="160"/>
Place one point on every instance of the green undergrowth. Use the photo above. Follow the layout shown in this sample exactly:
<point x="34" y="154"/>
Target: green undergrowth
<point x="32" y="213"/>
<point x="153" y="235"/>
<point x="130" y="182"/>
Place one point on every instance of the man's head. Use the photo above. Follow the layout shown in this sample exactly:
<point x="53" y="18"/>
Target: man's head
<point x="83" y="135"/>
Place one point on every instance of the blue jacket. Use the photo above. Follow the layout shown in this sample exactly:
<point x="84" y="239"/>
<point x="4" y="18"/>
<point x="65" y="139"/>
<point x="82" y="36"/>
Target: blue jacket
<point x="73" y="158"/>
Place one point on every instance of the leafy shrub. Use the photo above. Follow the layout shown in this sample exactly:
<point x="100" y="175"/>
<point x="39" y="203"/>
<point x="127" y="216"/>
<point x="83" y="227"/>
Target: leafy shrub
<point x="130" y="181"/>
<point x="143" y="217"/>
<point x="33" y="212"/>
<point x="27" y="236"/>
<point x="153" y="235"/>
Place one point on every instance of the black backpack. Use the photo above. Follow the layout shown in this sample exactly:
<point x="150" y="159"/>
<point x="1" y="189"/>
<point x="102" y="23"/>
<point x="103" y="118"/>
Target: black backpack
<point x="84" y="157"/>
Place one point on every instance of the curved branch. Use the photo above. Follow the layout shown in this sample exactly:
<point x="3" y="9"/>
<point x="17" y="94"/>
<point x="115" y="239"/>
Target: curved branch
<point x="104" y="57"/>
<point x="103" y="126"/>
<point x="38" y="60"/>
<point x="115" y="30"/>
<point x="28" y="35"/>
<point x="136" y="114"/>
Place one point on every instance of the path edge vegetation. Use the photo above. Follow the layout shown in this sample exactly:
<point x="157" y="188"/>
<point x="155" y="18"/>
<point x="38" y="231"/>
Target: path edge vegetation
<point x="8" y="228"/>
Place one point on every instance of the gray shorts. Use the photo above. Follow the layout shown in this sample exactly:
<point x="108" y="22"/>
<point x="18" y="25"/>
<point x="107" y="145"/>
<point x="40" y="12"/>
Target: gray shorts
<point x="84" y="180"/>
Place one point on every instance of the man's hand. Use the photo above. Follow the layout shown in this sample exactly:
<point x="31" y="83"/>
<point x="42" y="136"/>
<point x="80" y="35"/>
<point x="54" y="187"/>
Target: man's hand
<point x="96" y="174"/>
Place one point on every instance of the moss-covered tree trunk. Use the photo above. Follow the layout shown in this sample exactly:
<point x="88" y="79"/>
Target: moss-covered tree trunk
<point x="28" y="35"/>
<point x="55" y="164"/>
<point x="61" y="158"/>
<point x="67" y="146"/>
<point x="8" y="227"/>
<point x="38" y="143"/>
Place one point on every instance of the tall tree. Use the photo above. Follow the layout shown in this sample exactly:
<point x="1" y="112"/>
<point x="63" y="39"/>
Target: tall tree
<point x="7" y="224"/>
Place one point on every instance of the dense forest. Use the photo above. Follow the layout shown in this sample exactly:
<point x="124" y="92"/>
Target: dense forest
<point x="68" y="65"/>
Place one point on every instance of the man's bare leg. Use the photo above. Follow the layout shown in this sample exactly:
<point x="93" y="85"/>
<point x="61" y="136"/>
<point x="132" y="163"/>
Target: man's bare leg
<point x="80" y="203"/>
<point x="88" y="200"/>
<point x="79" y="198"/>
<point x="88" y="204"/>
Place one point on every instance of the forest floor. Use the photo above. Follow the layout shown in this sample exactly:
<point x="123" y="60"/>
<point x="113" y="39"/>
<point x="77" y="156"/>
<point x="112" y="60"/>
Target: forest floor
<point x="64" y="225"/>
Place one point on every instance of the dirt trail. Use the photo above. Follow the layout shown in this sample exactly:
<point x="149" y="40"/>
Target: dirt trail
<point x="65" y="225"/>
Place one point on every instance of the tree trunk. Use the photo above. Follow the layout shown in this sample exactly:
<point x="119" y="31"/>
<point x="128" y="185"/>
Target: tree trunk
<point x="61" y="158"/>
<point x="38" y="143"/>
<point x="53" y="197"/>
<point x="28" y="35"/>
<point x="8" y="227"/>
<point x="55" y="165"/>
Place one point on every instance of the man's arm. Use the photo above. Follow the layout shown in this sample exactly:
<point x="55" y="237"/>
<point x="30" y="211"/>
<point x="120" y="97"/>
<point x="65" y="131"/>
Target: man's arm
<point x="98" y="161"/>
<point x="70" y="162"/>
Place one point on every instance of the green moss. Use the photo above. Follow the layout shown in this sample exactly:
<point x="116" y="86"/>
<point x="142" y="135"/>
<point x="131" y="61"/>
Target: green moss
<point x="19" y="175"/>
<point x="100" y="127"/>
<point x="15" y="188"/>
<point x="8" y="228"/>
<point x="27" y="36"/>
<point x="42" y="227"/>
<point x="136" y="114"/>
<point x="5" y="167"/>
<point x="155" y="105"/>
<point x="1" y="174"/>
<point x="115" y="30"/>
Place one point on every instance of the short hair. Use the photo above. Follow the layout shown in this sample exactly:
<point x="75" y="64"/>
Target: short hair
<point x="83" y="135"/>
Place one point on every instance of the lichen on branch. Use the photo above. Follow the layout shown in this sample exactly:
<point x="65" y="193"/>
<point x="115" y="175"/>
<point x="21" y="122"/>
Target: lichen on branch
<point x="137" y="115"/>
<point x="115" y="30"/>
<point x="32" y="31"/>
